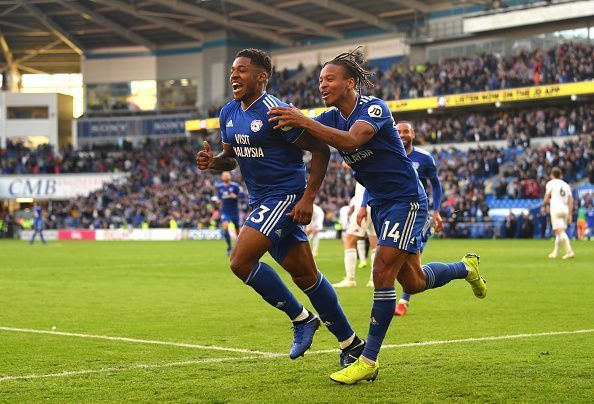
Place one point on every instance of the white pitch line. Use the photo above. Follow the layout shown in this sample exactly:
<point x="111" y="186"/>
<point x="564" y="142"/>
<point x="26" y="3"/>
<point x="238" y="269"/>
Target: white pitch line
<point x="275" y="355"/>
<point x="140" y="341"/>
<point x="104" y="266"/>
<point x="457" y="341"/>
<point x="124" y="369"/>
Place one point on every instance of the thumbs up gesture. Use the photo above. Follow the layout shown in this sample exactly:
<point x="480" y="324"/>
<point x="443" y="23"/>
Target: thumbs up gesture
<point x="204" y="157"/>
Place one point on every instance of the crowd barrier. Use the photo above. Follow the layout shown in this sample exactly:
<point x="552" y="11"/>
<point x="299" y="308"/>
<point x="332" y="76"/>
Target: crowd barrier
<point x="141" y="235"/>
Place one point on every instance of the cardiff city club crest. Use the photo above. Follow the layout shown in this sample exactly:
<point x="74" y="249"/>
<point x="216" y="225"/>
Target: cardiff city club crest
<point x="256" y="125"/>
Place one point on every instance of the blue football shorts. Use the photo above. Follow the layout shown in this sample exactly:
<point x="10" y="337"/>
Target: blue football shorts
<point x="225" y="217"/>
<point x="426" y="232"/>
<point x="270" y="218"/>
<point x="400" y="224"/>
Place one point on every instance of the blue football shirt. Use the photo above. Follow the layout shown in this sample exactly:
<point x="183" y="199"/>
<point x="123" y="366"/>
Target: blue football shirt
<point x="424" y="163"/>
<point x="37" y="218"/>
<point x="271" y="165"/>
<point x="381" y="164"/>
<point x="229" y="205"/>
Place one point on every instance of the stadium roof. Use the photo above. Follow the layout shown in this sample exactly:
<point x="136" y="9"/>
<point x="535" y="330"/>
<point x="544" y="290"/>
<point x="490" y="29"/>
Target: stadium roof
<point x="50" y="36"/>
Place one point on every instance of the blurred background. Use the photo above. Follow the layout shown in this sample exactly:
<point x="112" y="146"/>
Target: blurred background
<point x="104" y="104"/>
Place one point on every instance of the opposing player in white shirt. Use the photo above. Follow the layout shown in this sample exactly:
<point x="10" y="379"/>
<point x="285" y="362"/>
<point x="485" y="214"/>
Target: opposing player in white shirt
<point x="558" y="194"/>
<point x="314" y="227"/>
<point x="343" y="220"/>
<point x="355" y="237"/>
<point x="362" y="232"/>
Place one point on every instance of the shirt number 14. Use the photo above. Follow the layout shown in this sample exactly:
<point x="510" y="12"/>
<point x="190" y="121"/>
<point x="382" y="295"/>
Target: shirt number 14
<point x="394" y="233"/>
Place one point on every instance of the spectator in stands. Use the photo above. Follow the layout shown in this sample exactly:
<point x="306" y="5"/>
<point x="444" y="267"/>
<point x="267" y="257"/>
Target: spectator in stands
<point x="569" y="62"/>
<point x="510" y="225"/>
<point x="163" y="181"/>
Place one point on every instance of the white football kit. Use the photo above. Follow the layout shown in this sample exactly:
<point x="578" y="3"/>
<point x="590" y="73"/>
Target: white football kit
<point x="559" y="191"/>
<point x="366" y="229"/>
<point x="317" y="218"/>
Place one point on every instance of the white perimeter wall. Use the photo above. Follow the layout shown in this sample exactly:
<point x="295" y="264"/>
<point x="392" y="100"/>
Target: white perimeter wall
<point x="182" y="66"/>
<point x="120" y="69"/>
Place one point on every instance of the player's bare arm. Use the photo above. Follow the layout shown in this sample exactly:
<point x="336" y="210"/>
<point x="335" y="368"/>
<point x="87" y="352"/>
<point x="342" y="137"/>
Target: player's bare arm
<point x="545" y="201"/>
<point x="320" y="154"/>
<point x="437" y="219"/>
<point x="347" y="141"/>
<point x="224" y="161"/>
<point x="361" y="215"/>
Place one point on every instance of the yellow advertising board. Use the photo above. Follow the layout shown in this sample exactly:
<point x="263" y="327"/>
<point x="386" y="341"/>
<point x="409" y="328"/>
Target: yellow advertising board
<point x="451" y="101"/>
<point x="213" y="123"/>
<point x="517" y="94"/>
<point x="414" y="104"/>
<point x="197" y="124"/>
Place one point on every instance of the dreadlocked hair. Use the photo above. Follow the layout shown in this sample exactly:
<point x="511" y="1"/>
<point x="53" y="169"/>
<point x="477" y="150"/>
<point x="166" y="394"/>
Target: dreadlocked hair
<point x="353" y="62"/>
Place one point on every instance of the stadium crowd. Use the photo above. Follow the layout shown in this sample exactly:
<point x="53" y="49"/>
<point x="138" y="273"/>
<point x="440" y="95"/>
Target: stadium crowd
<point x="164" y="184"/>
<point x="470" y="179"/>
<point x="517" y="127"/>
<point x="564" y="63"/>
<point x="164" y="188"/>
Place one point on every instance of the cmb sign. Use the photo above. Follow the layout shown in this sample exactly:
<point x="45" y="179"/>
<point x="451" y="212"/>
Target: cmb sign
<point x="31" y="187"/>
<point x="54" y="186"/>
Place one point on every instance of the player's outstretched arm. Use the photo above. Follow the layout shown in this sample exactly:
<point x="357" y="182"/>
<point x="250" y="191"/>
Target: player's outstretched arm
<point x="320" y="154"/>
<point x="224" y="161"/>
<point x="347" y="141"/>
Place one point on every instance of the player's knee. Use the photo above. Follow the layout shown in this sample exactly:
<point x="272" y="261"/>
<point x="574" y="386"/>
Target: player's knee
<point x="240" y="267"/>
<point x="383" y="276"/>
<point x="304" y="280"/>
<point x="350" y="241"/>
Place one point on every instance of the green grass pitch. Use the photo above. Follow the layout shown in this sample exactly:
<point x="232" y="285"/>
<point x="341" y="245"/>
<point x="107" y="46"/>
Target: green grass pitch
<point x="184" y="293"/>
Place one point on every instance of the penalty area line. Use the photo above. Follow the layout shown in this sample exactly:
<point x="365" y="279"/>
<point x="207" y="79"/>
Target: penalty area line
<point x="476" y="339"/>
<point x="279" y="355"/>
<point x="134" y="340"/>
<point x="130" y="368"/>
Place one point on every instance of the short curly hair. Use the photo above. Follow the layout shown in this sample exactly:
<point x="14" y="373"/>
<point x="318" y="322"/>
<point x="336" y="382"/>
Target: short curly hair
<point x="258" y="57"/>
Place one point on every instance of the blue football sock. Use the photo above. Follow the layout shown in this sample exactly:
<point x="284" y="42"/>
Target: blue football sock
<point x="405" y="296"/>
<point x="382" y="311"/>
<point x="264" y="280"/>
<point x="227" y="237"/>
<point x="324" y="299"/>
<point x="438" y="274"/>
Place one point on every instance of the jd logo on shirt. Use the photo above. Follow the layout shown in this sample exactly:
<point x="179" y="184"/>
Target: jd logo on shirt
<point x="374" y="111"/>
